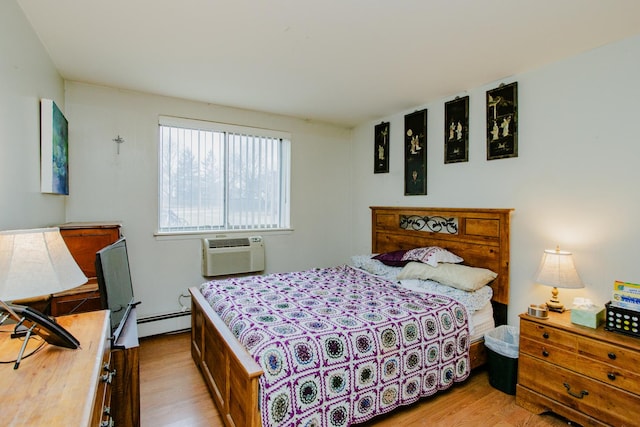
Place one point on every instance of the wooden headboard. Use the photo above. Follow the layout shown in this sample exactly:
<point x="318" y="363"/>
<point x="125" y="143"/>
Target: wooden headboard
<point x="480" y="236"/>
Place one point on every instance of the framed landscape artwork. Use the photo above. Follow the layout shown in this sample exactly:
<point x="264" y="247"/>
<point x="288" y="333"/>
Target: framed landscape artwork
<point x="54" y="149"/>
<point x="381" y="150"/>
<point x="456" y="130"/>
<point x="502" y="122"/>
<point x="415" y="153"/>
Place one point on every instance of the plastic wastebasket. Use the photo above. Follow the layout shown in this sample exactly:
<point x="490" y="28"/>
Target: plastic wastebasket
<point x="502" y="357"/>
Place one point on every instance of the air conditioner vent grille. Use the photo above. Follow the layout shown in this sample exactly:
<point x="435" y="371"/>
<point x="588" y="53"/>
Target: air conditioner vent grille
<point x="228" y="243"/>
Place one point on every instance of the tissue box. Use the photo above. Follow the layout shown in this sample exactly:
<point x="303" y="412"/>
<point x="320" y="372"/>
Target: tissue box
<point x="591" y="317"/>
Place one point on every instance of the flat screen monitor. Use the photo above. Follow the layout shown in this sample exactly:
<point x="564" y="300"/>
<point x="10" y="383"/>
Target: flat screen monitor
<point x="114" y="281"/>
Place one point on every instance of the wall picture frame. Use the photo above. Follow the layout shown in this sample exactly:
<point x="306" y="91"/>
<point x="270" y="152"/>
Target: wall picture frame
<point x="381" y="148"/>
<point x="415" y="153"/>
<point x="54" y="149"/>
<point x="502" y="122"/>
<point x="456" y="130"/>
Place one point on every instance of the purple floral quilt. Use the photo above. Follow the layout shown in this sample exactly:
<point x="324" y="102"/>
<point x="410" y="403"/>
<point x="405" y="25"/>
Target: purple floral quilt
<point x="339" y="346"/>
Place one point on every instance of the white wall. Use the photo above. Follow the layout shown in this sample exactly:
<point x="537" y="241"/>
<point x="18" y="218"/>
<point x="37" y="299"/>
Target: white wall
<point x="574" y="184"/>
<point x="26" y="75"/>
<point x="110" y="186"/>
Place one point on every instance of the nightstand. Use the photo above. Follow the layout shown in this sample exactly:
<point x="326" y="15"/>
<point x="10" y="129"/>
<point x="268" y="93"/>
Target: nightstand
<point x="586" y="375"/>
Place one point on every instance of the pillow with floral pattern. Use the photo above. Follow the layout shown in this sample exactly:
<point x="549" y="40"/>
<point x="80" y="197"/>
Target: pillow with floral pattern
<point x="431" y="255"/>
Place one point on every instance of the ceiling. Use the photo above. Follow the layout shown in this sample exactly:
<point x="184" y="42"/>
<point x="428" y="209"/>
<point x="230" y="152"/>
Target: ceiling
<point x="338" y="61"/>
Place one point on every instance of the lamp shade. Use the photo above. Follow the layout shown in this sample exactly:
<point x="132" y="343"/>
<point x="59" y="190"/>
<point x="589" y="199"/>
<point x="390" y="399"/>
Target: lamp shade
<point x="557" y="269"/>
<point x="34" y="263"/>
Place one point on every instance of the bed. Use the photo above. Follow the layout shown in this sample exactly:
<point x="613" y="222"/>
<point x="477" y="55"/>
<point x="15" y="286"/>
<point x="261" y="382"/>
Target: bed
<point x="480" y="236"/>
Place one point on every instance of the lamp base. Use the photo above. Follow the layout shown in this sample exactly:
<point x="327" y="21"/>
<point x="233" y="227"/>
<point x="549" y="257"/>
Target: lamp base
<point x="554" y="303"/>
<point x="555" y="306"/>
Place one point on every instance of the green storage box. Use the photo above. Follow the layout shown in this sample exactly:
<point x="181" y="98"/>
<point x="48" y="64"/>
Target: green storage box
<point x="591" y="317"/>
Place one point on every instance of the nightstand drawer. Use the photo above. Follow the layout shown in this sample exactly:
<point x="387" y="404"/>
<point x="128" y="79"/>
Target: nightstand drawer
<point x="577" y="391"/>
<point x="548" y="352"/>
<point x="614" y="365"/>
<point x="613" y="355"/>
<point x="612" y="375"/>
<point x="548" y="335"/>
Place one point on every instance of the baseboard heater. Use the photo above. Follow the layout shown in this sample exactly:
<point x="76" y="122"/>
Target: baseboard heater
<point x="164" y="316"/>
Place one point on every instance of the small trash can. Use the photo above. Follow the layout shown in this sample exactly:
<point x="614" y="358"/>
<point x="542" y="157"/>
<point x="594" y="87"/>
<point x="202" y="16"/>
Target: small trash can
<point x="502" y="357"/>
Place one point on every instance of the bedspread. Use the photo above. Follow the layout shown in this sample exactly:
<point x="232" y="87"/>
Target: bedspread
<point x="339" y="346"/>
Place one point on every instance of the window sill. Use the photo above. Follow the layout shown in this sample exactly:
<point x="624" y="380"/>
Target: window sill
<point x="185" y="235"/>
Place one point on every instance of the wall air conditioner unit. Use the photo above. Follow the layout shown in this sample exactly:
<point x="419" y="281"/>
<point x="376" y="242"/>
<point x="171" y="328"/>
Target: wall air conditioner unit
<point x="222" y="255"/>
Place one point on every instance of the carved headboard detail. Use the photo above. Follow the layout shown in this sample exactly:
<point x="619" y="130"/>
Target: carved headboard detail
<point x="480" y="236"/>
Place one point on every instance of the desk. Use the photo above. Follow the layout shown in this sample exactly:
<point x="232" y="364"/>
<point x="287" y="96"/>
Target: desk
<point x="57" y="386"/>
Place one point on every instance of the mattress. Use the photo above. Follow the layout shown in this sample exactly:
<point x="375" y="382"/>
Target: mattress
<point x="481" y="321"/>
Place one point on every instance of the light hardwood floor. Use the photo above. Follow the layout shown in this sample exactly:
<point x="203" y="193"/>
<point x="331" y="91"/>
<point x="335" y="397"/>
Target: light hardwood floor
<point x="174" y="394"/>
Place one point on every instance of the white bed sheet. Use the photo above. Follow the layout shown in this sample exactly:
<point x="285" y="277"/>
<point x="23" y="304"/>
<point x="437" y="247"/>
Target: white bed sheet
<point x="481" y="321"/>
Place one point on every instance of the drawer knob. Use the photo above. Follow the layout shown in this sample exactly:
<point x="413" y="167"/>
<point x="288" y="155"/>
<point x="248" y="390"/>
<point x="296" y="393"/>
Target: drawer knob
<point x="545" y="353"/>
<point x="580" y="395"/>
<point x="545" y="335"/>
<point x="611" y="376"/>
<point x="612" y="356"/>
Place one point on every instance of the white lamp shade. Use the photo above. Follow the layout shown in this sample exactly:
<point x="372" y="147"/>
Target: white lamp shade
<point x="34" y="263"/>
<point x="557" y="269"/>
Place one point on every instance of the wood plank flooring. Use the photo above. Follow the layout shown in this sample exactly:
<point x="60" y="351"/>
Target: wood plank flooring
<point x="174" y="394"/>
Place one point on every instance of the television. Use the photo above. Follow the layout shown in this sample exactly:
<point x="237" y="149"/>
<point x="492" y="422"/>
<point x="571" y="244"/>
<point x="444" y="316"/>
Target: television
<point x="114" y="282"/>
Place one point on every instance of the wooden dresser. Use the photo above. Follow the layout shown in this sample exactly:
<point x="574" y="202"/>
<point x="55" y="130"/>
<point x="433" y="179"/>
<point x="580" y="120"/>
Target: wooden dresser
<point x="590" y="376"/>
<point x="84" y="239"/>
<point x="57" y="386"/>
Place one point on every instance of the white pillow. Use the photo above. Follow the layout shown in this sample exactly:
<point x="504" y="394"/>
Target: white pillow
<point x="457" y="276"/>
<point x="373" y="266"/>
<point x="431" y="255"/>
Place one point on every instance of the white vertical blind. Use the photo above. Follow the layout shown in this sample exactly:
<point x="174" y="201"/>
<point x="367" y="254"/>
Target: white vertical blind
<point x="221" y="177"/>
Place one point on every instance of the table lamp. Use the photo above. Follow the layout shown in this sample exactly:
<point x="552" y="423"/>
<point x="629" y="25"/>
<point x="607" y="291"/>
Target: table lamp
<point x="34" y="263"/>
<point x="557" y="270"/>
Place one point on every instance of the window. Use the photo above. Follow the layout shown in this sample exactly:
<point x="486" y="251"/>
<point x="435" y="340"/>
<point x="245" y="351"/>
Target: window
<point x="214" y="176"/>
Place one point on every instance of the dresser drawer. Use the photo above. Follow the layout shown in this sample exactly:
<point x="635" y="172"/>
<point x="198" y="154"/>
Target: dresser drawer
<point x="80" y="302"/>
<point x="548" y="352"/>
<point x="609" y="363"/>
<point x="578" y="392"/>
<point x="613" y="355"/>
<point x="591" y="360"/>
<point x="548" y="335"/>
<point x="102" y="404"/>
